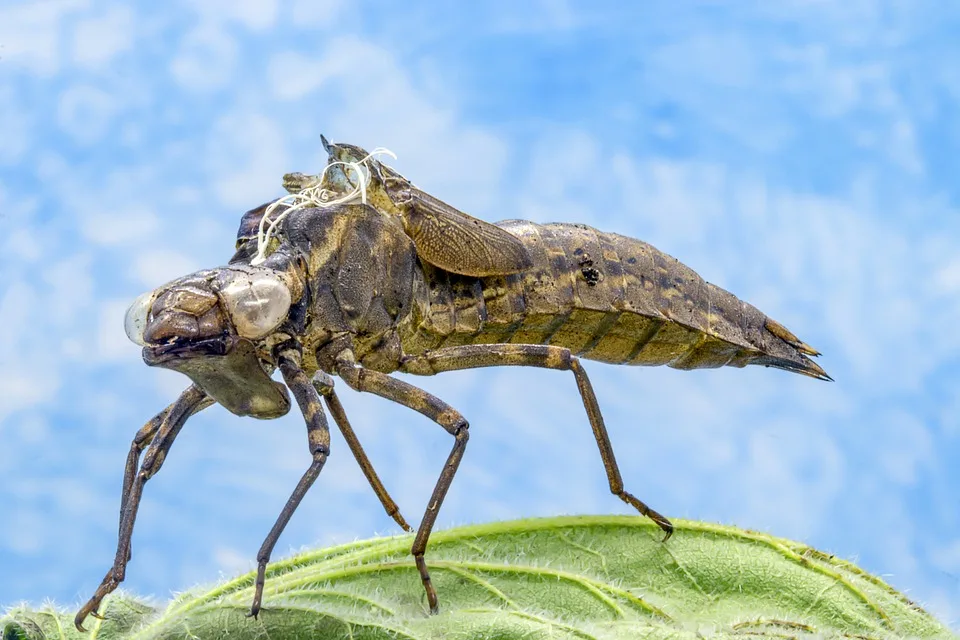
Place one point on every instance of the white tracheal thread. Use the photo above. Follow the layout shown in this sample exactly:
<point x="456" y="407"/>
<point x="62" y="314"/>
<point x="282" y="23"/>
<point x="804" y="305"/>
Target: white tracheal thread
<point x="316" y="196"/>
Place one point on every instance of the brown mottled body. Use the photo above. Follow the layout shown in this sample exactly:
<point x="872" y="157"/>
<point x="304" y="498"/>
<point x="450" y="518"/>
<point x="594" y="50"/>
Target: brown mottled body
<point x="605" y="297"/>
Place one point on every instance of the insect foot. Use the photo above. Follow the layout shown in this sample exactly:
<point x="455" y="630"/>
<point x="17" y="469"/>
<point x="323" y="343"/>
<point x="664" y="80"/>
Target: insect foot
<point x="90" y="609"/>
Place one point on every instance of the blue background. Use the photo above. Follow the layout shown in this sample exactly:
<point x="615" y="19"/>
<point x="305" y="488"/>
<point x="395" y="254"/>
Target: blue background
<point x="800" y="154"/>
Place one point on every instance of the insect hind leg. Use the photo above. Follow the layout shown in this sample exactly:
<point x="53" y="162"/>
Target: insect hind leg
<point x="547" y="357"/>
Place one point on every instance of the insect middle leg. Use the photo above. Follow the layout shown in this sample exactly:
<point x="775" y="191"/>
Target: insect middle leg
<point x="164" y="427"/>
<point x="547" y="357"/>
<point x="362" y="379"/>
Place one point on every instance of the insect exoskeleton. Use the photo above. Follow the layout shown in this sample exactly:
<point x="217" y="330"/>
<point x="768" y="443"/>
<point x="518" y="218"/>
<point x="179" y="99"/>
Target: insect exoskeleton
<point x="359" y="274"/>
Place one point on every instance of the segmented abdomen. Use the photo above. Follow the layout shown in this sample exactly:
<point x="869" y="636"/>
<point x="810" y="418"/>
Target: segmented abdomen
<point x="605" y="297"/>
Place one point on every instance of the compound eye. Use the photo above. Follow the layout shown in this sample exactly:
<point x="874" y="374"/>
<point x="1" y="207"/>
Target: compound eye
<point x="257" y="302"/>
<point x="135" y="320"/>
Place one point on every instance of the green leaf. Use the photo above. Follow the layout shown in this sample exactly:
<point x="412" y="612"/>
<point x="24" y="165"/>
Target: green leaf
<point x="572" y="577"/>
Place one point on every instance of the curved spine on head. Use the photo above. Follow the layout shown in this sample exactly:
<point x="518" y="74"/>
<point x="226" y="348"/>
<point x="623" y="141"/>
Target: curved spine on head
<point x="317" y="196"/>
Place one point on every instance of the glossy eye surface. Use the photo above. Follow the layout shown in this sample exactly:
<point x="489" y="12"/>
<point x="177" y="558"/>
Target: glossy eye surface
<point x="256" y="301"/>
<point x="135" y="320"/>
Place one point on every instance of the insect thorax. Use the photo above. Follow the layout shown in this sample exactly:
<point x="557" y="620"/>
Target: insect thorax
<point x="362" y="282"/>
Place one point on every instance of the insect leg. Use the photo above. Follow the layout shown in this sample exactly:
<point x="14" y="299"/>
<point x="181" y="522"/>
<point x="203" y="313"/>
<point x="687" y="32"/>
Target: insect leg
<point x="318" y="439"/>
<point x="324" y="386"/>
<point x="547" y="357"/>
<point x="140" y="441"/>
<point x="171" y="421"/>
<point x="361" y="379"/>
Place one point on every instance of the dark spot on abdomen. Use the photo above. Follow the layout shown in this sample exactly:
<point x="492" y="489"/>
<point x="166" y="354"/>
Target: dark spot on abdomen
<point x="587" y="270"/>
<point x="591" y="275"/>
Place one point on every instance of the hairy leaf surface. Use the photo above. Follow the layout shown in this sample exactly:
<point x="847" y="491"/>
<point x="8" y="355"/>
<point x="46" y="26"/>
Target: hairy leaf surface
<point x="571" y="577"/>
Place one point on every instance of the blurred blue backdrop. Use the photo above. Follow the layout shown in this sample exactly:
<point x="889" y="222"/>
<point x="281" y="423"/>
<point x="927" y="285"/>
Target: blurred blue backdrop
<point x="803" y="155"/>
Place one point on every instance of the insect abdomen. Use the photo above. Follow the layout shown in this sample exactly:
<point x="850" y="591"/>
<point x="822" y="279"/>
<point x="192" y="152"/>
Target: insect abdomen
<point x="610" y="298"/>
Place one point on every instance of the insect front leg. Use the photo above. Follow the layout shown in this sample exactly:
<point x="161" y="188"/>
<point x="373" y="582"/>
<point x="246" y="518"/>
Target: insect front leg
<point x="140" y="441"/>
<point x="323" y="383"/>
<point x="318" y="440"/>
<point x="162" y="430"/>
<point x="547" y="357"/>
<point x="362" y="379"/>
